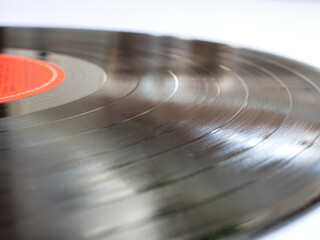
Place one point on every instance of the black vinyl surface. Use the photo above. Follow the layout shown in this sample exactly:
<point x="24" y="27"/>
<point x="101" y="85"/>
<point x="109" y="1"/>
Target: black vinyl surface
<point x="156" y="138"/>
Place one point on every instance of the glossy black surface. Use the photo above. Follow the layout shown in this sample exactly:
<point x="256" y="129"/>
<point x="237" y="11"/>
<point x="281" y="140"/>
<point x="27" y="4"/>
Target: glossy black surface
<point x="182" y="140"/>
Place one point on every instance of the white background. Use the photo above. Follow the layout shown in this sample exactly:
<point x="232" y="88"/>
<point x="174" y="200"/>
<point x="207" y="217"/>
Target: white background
<point x="289" y="28"/>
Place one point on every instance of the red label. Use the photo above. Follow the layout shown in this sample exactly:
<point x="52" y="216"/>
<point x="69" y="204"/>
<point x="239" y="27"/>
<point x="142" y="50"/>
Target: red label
<point x="22" y="77"/>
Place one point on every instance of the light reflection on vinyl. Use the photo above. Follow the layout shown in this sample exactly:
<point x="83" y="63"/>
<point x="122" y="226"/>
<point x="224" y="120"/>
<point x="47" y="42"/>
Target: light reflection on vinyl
<point x="156" y="138"/>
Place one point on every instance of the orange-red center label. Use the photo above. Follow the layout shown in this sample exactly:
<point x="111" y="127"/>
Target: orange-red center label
<point x="22" y="77"/>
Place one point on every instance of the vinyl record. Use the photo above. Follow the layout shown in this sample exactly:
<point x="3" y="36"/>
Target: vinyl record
<point x="109" y="135"/>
